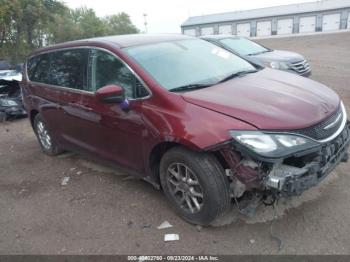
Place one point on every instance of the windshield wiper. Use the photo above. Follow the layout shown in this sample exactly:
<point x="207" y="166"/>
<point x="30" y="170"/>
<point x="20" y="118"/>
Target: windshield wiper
<point x="237" y="74"/>
<point x="189" y="87"/>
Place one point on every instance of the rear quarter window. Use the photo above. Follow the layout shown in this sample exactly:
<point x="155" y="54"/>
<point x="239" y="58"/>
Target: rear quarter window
<point x="38" y="69"/>
<point x="65" y="68"/>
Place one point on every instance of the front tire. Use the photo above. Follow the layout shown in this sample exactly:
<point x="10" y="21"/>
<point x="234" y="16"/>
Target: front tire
<point x="47" y="143"/>
<point x="195" y="184"/>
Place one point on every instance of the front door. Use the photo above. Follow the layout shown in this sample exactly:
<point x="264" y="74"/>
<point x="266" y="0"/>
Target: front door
<point x="110" y="130"/>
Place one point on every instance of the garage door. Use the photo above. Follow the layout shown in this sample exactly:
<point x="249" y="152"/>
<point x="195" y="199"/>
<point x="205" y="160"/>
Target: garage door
<point x="331" y="22"/>
<point x="207" y="30"/>
<point x="225" y="29"/>
<point x="191" y="32"/>
<point x="263" y="28"/>
<point x="285" y="26"/>
<point x="243" y="29"/>
<point x="307" y="24"/>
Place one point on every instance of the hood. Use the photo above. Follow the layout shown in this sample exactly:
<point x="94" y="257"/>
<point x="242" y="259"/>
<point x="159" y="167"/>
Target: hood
<point x="279" y="55"/>
<point x="269" y="99"/>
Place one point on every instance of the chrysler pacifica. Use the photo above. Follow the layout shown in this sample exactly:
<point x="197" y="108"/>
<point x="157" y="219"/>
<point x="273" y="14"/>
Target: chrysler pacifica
<point x="207" y="127"/>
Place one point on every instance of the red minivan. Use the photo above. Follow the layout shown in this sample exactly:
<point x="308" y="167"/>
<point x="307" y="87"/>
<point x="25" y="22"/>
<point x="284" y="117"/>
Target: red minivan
<point x="209" y="128"/>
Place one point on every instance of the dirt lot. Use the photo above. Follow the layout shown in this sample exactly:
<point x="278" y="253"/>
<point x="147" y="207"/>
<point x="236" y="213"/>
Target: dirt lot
<point x="101" y="211"/>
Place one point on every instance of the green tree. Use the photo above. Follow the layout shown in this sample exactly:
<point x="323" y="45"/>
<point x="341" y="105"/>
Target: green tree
<point x="63" y="28"/>
<point x="29" y="24"/>
<point x="83" y="23"/>
<point x="23" y="24"/>
<point x="5" y="21"/>
<point x="120" y="24"/>
<point x="36" y="16"/>
<point x="88" y="23"/>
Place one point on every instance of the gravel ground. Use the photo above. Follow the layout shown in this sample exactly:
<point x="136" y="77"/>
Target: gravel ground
<point x="103" y="211"/>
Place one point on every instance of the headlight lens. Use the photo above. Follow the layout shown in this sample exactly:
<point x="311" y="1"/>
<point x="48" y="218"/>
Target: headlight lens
<point x="7" y="102"/>
<point x="279" y="65"/>
<point x="272" y="145"/>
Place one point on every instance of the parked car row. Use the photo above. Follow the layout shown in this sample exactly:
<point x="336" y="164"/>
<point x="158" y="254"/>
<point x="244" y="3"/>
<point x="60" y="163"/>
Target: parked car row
<point x="210" y="128"/>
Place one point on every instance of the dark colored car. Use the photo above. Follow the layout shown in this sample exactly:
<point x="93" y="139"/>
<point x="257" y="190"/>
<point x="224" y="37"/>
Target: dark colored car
<point x="11" y="103"/>
<point x="256" y="53"/>
<point x="206" y="126"/>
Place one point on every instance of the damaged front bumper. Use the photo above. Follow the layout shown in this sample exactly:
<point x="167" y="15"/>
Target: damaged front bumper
<point x="8" y="113"/>
<point x="284" y="177"/>
<point x="290" y="180"/>
<point x="16" y="112"/>
<point x="11" y="102"/>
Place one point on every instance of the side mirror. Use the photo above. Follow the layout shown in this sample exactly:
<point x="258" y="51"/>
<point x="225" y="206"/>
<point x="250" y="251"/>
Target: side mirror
<point x="110" y="94"/>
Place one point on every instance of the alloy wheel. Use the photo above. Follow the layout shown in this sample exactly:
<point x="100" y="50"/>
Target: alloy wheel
<point x="43" y="135"/>
<point x="185" y="187"/>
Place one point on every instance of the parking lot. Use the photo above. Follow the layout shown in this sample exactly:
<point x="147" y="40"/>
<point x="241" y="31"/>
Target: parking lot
<point x="105" y="211"/>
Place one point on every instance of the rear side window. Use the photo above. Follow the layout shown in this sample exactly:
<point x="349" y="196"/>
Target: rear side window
<point x="38" y="69"/>
<point x="69" y="68"/>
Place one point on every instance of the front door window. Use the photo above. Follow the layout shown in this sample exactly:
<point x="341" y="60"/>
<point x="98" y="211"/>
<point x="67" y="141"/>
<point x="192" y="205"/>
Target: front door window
<point x="107" y="69"/>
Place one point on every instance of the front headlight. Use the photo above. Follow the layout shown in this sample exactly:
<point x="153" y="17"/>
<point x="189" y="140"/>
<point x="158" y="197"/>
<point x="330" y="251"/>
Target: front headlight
<point x="272" y="145"/>
<point x="8" y="103"/>
<point x="279" y="65"/>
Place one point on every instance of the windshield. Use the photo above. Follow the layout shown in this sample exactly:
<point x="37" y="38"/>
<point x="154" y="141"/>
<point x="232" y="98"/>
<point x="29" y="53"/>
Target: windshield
<point x="187" y="62"/>
<point x="243" y="46"/>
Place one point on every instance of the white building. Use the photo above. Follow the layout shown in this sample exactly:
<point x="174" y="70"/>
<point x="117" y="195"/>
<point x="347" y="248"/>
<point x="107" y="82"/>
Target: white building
<point x="320" y="16"/>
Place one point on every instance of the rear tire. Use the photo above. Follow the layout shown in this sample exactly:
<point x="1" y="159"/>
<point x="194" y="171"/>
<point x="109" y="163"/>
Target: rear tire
<point x="198" y="180"/>
<point x="46" y="141"/>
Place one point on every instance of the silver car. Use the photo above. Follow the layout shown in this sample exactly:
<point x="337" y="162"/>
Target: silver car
<point x="258" y="54"/>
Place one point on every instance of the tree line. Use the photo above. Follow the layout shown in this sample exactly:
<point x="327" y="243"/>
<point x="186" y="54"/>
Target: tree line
<point x="29" y="24"/>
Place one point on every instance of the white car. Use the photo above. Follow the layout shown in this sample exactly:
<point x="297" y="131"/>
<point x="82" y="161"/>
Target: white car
<point x="10" y="75"/>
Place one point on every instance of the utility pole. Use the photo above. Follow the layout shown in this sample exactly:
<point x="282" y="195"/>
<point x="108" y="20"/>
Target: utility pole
<point x="145" y="22"/>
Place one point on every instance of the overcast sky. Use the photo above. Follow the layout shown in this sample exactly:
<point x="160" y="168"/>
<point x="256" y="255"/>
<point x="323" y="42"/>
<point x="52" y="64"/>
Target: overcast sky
<point x="166" y="16"/>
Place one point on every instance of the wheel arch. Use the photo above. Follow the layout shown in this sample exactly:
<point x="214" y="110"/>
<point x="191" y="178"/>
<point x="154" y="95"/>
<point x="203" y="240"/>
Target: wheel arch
<point x="155" y="156"/>
<point x="32" y="116"/>
<point x="161" y="148"/>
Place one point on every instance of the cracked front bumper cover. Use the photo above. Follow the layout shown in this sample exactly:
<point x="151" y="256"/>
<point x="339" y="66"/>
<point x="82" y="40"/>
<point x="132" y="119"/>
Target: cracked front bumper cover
<point x="289" y="180"/>
<point x="19" y="112"/>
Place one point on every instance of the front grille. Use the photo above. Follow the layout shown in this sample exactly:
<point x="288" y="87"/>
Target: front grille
<point x="325" y="128"/>
<point x="301" y="67"/>
<point x="323" y="165"/>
